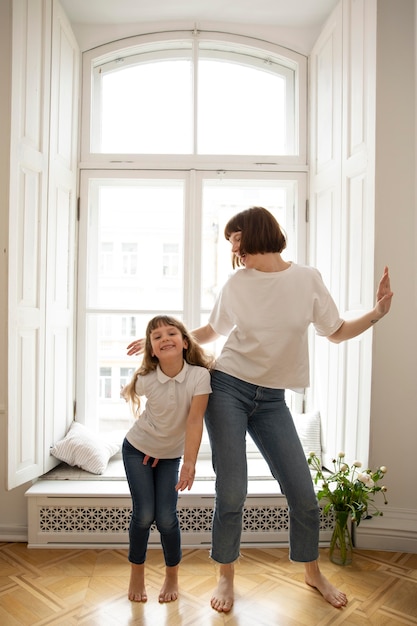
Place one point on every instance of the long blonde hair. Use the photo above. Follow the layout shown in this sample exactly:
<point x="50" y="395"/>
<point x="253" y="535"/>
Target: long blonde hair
<point x="193" y="355"/>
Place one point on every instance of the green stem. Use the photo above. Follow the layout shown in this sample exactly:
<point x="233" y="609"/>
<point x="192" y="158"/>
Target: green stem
<point x="341" y="536"/>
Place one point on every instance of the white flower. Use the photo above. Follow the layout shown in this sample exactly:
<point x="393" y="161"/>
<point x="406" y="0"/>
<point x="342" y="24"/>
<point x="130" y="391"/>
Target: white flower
<point x="341" y="455"/>
<point x="366" y="480"/>
<point x="383" y="469"/>
<point x="344" y="467"/>
<point x="357" y="464"/>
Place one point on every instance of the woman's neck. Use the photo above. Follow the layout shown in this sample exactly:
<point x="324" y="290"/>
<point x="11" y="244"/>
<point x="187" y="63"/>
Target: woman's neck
<point x="268" y="262"/>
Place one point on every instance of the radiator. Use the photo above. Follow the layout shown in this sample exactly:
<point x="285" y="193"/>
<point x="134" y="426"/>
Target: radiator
<point x="88" y="520"/>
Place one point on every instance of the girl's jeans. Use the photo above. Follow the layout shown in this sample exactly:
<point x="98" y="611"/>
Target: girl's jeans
<point x="154" y="499"/>
<point x="235" y="407"/>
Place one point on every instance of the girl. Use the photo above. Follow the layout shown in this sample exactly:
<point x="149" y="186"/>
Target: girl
<point x="175" y="379"/>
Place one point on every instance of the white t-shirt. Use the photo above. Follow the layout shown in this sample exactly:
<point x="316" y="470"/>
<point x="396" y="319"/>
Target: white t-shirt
<point x="160" y="429"/>
<point x="266" y="316"/>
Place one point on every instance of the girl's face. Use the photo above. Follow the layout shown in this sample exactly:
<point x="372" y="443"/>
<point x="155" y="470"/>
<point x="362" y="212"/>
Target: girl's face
<point x="167" y="342"/>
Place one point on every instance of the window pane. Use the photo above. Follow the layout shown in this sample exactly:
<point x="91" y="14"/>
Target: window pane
<point x="135" y="239"/>
<point x="147" y="108"/>
<point x="153" y="99"/>
<point x="134" y="245"/>
<point x="241" y="110"/>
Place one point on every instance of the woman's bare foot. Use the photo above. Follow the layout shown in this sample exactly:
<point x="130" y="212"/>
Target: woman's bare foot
<point x="222" y="599"/>
<point x="137" y="591"/>
<point x="315" y="578"/>
<point x="169" y="591"/>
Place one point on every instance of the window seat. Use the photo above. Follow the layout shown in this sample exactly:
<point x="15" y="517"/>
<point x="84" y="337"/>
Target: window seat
<point x="260" y="481"/>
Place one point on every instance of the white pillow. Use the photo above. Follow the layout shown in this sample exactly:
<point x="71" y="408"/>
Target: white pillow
<point x="84" y="448"/>
<point x="308" y="429"/>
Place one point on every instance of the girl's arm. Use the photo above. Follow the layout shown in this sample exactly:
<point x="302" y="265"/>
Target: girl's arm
<point x="193" y="434"/>
<point x="353" y="328"/>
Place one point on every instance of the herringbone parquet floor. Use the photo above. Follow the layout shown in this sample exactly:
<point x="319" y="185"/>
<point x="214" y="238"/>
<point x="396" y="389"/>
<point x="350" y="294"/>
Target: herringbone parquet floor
<point x="89" y="587"/>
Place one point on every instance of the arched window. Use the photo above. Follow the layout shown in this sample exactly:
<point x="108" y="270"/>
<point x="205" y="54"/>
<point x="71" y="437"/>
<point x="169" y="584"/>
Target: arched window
<point x="179" y="132"/>
<point x="194" y="96"/>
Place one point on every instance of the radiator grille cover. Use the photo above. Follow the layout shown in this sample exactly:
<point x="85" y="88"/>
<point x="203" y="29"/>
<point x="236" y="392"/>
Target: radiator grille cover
<point x="110" y="520"/>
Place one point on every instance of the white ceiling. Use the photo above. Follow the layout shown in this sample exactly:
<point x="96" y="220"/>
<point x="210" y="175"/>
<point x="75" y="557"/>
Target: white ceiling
<point x="286" y="13"/>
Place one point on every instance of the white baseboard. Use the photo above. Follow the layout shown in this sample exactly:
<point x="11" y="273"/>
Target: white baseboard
<point x="395" y="531"/>
<point x="13" y="534"/>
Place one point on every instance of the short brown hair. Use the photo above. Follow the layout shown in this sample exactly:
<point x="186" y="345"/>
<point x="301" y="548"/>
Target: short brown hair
<point x="260" y="232"/>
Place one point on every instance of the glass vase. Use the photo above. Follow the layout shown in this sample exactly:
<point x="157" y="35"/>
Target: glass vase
<point x="341" y="548"/>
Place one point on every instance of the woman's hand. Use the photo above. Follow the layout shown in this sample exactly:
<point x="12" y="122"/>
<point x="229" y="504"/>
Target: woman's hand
<point x="136" y="347"/>
<point x="384" y="294"/>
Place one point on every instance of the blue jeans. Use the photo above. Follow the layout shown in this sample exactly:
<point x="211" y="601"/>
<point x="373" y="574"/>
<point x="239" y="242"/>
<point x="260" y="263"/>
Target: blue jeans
<point x="234" y="408"/>
<point x="154" y="499"/>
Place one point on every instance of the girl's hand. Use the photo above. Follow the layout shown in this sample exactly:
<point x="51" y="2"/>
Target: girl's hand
<point x="384" y="294"/>
<point x="136" y="347"/>
<point x="187" y="475"/>
<point x="154" y="461"/>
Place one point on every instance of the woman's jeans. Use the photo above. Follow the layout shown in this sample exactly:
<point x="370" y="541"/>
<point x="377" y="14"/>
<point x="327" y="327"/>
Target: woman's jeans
<point x="234" y="408"/>
<point x="154" y="499"/>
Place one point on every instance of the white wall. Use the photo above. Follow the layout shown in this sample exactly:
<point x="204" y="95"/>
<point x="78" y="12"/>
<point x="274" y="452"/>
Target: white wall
<point x="393" y="410"/>
<point x="394" y="381"/>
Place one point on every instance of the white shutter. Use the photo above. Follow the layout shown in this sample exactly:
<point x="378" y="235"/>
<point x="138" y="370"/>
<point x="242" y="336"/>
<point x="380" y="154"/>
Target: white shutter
<point x="358" y="206"/>
<point x="27" y="237"/>
<point x="61" y="233"/>
<point x="326" y="244"/>
<point x="341" y="213"/>
<point x="35" y="295"/>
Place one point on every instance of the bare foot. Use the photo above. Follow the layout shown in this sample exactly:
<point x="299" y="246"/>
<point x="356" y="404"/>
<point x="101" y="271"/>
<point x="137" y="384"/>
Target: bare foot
<point x="137" y="591"/>
<point x="169" y="591"/>
<point x="222" y="599"/>
<point x="315" y="578"/>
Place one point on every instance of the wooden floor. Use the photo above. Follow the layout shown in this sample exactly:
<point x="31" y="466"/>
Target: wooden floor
<point x="88" y="587"/>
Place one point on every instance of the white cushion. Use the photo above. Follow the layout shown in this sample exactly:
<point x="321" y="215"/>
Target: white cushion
<point x="309" y="432"/>
<point x="84" y="448"/>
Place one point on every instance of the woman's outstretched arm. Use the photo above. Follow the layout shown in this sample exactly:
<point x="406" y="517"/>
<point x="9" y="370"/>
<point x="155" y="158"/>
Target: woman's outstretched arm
<point x="355" y="327"/>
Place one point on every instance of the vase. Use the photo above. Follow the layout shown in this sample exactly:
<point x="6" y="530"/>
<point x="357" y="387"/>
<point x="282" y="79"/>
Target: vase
<point x="341" y="548"/>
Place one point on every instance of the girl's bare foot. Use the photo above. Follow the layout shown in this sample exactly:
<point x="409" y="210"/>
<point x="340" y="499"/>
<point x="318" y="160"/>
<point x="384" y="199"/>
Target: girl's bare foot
<point x="169" y="591"/>
<point x="222" y="599"/>
<point x="137" y="591"/>
<point x="315" y="578"/>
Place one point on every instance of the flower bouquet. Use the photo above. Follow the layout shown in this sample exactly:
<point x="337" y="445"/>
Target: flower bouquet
<point x="348" y="494"/>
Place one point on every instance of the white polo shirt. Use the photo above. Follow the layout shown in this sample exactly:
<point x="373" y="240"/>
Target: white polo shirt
<point x="160" y="429"/>
<point x="266" y="316"/>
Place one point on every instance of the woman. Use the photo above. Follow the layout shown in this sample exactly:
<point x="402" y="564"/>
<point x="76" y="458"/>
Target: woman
<point x="265" y="309"/>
